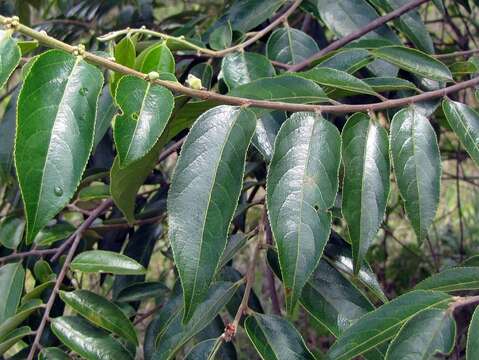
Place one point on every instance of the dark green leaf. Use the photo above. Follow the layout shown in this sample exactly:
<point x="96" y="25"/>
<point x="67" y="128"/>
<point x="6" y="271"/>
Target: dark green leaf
<point x="11" y="231"/>
<point x="417" y="166"/>
<point x="86" y="340"/>
<point x="55" y="129"/>
<point x="9" y="55"/>
<point x="463" y="68"/>
<point x="157" y="58"/>
<point x="380" y="325"/>
<point x="348" y="60"/>
<point x="202" y="350"/>
<point x="101" y="312"/>
<point x="430" y="332"/>
<point x="472" y="349"/>
<point x="94" y="192"/>
<point x="106" y="261"/>
<point x="204" y="72"/>
<point x="243" y="67"/>
<point x="338" y="79"/>
<point x="301" y="186"/>
<point x="464" y="121"/>
<point x="52" y="353"/>
<point x="220" y="38"/>
<point x="24" y="312"/>
<point x="366" y="181"/>
<point x="7" y="139"/>
<point x="146" y="109"/>
<point x="173" y="334"/>
<point x="106" y="111"/>
<point x="290" y="46"/>
<point x="382" y="84"/>
<point x="275" y="338"/>
<point x="125" y="54"/>
<point x="209" y="169"/>
<point x="235" y="243"/>
<point x="12" y="277"/>
<point x="455" y="279"/>
<point x="414" y="61"/>
<point x="52" y="234"/>
<point x="267" y="127"/>
<point x="141" y="291"/>
<point x="13" y="337"/>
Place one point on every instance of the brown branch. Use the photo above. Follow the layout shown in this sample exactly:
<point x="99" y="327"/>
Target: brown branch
<point x="238" y="101"/>
<point x="373" y="25"/>
<point x="457" y="54"/>
<point x="76" y="240"/>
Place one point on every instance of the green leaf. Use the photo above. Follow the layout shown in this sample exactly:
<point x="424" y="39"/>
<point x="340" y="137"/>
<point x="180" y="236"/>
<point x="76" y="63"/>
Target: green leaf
<point x="221" y="37"/>
<point x="338" y="79"/>
<point x="414" y="61"/>
<point x="9" y="56"/>
<point x="333" y="300"/>
<point x="125" y="54"/>
<point x="43" y="271"/>
<point x="100" y="261"/>
<point x="141" y="291"/>
<point x="37" y="291"/>
<point x="106" y="111"/>
<point x="146" y="109"/>
<point x="202" y="350"/>
<point x="12" y="277"/>
<point x="157" y="58"/>
<point x="212" y="174"/>
<point x="52" y="234"/>
<point x="13" y="337"/>
<point x="7" y="139"/>
<point x="417" y="166"/>
<point x="430" y="332"/>
<point x="463" y="68"/>
<point x="204" y="72"/>
<point x="11" y="231"/>
<point x="410" y="24"/>
<point x="380" y="325"/>
<point x="52" y="353"/>
<point x="94" y="192"/>
<point x="287" y="88"/>
<point x="86" y="340"/>
<point x="348" y="60"/>
<point x="290" y="46"/>
<point x="267" y="127"/>
<point x="383" y="84"/>
<point x="24" y="312"/>
<point x="301" y="186"/>
<point x="472" y="348"/>
<point x="55" y="129"/>
<point x="173" y="334"/>
<point x="243" y="67"/>
<point x="347" y="16"/>
<point x="454" y="279"/>
<point x="235" y="243"/>
<point x="464" y="121"/>
<point x="275" y="338"/>
<point x="100" y="312"/>
<point x="366" y="181"/>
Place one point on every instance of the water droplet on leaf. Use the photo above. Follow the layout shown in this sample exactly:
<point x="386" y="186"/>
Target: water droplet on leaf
<point x="58" y="191"/>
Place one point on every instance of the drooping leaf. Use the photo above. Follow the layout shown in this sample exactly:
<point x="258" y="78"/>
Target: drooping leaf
<point x="210" y="168"/>
<point x="55" y="129"/>
<point x="54" y="233"/>
<point x="9" y="56"/>
<point x="89" y="342"/>
<point x="380" y="325"/>
<point x="146" y="109"/>
<point x="173" y="334"/>
<point x="414" y="61"/>
<point x="290" y="46"/>
<point x="52" y="353"/>
<point x="430" y="332"/>
<point x="366" y="181"/>
<point x="100" y="312"/>
<point x="11" y="231"/>
<point x="464" y="121"/>
<point x="37" y="291"/>
<point x="275" y="338"/>
<point x="454" y="279"/>
<point x="13" y="337"/>
<point x="417" y="166"/>
<point x="106" y="261"/>
<point x="301" y="186"/>
<point x="338" y="79"/>
<point x="472" y="348"/>
<point x="235" y="243"/>
<point x="243" y="67"/>
<point x="22" y="314"/>
<point x="12" y="277"/>
<point x="157" y="58"/>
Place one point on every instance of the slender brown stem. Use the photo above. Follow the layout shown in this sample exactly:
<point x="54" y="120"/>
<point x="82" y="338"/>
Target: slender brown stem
<point x="457" y="54"/>
<point x="373" y="25"/>
<point x="230" y="100"/>
<point x="22" y="255"/>
<point x="76" y="240"/>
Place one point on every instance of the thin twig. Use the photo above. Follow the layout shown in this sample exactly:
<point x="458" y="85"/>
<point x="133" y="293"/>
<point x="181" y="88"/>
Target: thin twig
<point x="76" y="240"/>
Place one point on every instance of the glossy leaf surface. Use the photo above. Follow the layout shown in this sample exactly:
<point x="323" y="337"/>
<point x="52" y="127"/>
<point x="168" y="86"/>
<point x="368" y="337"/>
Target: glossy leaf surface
<point x="106" y="261"/>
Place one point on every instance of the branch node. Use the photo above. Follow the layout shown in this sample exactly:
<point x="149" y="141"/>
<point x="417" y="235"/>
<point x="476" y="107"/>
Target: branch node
<point x="152" y="76"/>
<point x="79" y="50"/>
<point x="12" y="22"/>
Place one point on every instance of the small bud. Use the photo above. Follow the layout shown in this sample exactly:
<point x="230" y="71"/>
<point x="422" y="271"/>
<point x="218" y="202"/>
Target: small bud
<point x="193" y="82"/>
<point x="152" y="75"/>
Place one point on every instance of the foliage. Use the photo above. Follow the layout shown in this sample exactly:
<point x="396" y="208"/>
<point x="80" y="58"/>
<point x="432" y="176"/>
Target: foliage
<point x="252" y="179"/>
